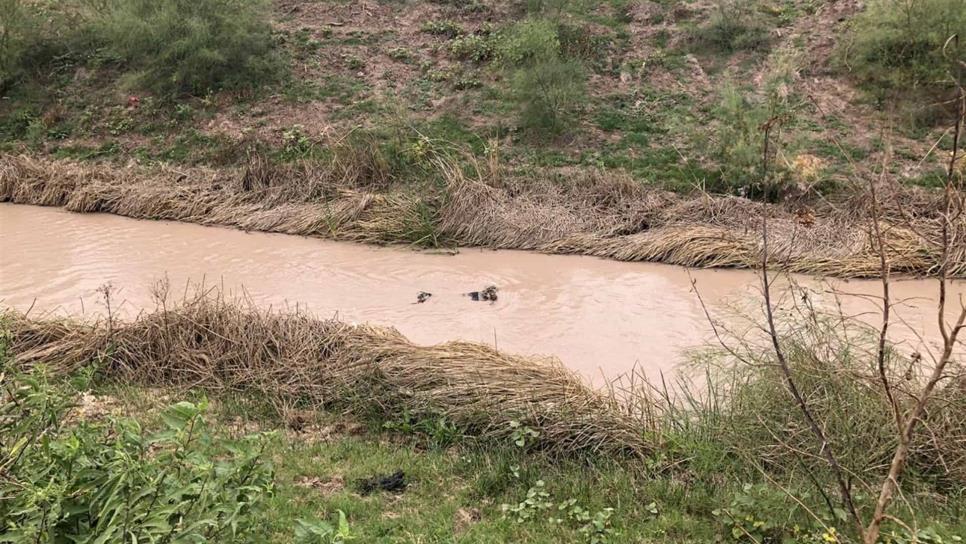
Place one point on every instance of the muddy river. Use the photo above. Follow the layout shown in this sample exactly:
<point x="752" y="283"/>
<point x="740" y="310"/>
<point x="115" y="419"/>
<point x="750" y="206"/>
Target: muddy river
<point x="599" y="317"/>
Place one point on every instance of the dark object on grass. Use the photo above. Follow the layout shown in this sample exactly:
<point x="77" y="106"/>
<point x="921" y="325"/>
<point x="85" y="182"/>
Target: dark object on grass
<point x="488" y="294"/>
<point x="422" y="297"/>
<point x="395" y="482"/>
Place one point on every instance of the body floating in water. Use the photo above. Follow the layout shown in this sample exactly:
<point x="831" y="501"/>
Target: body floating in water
<point x="487" y="295"/>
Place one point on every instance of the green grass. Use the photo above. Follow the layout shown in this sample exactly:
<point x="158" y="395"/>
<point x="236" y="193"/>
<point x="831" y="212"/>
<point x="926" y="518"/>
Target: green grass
<point x="457" y="487"/>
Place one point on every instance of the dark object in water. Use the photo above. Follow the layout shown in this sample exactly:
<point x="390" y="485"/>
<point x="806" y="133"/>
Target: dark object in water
<point x="422" y="297"/>
<point x="395" y="482"/>
<point x="488" y="294"/>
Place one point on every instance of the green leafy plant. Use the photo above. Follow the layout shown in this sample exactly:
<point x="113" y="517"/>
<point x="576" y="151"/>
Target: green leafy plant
<point x="113" y="481"/>
<point x="439" y="431"/>
<point x="537" y="500"/>
<point x="925" y="535"/>
<point x="472" y="47"/>
<point x="761" y="513"/>
<point x="595" y="526"/>
<point x="296" y="143"/>
<point x="446" y="28"/>
<point x="522" y="435"/>
<point x="323" y="532"/>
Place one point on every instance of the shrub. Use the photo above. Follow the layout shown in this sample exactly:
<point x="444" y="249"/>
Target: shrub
<point x="30" y="38"/>
<point x="472" y="47"/>
<point x="549" y="7"/>
<point x="189" y="46"/>
<point x="549" y="87"/>
<point x="528" y="42"/>
<point x="550" y="92"/>
<point x="576" y="41"/>
<point x="13" y="39"/>
<point x="735" y="25"/>
<point x="737" y="147"/>
<point x="898" y="45"/>
<point x="446" y="28"/>
<point x="111" y="481"/>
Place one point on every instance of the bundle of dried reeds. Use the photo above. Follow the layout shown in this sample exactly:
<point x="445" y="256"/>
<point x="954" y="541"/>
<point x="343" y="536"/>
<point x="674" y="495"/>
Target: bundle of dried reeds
<point x="292" y="359"/>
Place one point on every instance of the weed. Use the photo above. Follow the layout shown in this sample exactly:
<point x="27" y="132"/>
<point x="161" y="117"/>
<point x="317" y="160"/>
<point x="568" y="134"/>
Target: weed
<point x="529" y="42"/>
<point x="577" y="42"/>
<point x="354" y="63"/>
<point x="471" y="47"/>
<point x="446" y="28"/>
<point x="112" y="481"/>
<point x="761" y="513"/>
<point x="536" y="501"/>
<point x="595" y="527"/>
<point x="438" y="431"/>
<point x="522" y="435"/>
<point x="316" y="531"/>
<point x="401" y="54"/>
<point x="296" y="144"/>
<point x="735" y="25"/>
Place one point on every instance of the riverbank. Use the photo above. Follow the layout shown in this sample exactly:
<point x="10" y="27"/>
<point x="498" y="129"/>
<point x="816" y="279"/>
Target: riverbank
<point x="596" y="215"/>
<point x="475" y="430"/>
<point x="601" y="318"/>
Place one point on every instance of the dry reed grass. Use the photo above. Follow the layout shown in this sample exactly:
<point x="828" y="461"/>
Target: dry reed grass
<point x="741" y="403"/>
<point x="585" y="213"/>
<point x="290" y="358"/>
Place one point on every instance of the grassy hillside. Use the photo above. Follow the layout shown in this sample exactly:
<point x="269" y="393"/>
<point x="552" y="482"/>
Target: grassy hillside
<point x="672" y="94"/>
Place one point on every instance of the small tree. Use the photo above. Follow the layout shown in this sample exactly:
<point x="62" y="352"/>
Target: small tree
<point x="548" y="87"/>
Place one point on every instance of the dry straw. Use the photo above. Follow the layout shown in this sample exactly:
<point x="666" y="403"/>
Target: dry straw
<point x="292" y="359"/>
<point x="583" y="213"/>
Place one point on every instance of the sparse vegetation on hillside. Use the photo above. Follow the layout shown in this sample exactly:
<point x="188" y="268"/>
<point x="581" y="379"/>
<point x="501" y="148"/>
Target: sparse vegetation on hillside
<point x="634" y="86"/>
<point x="898" y="45"/>
<point x="735" y="25"/>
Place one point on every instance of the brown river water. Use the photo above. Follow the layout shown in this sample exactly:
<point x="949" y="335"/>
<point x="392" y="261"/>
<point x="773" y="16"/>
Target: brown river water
<point x="601" y="318"/>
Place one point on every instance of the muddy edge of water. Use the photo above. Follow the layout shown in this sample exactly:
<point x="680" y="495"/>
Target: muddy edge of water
<point x="600" y="317"/>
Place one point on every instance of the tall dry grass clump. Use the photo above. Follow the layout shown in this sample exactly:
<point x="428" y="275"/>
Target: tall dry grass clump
<point x="293" y="359"/>
<point x="309" y="203"/>
<point x="837" y="372"/>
